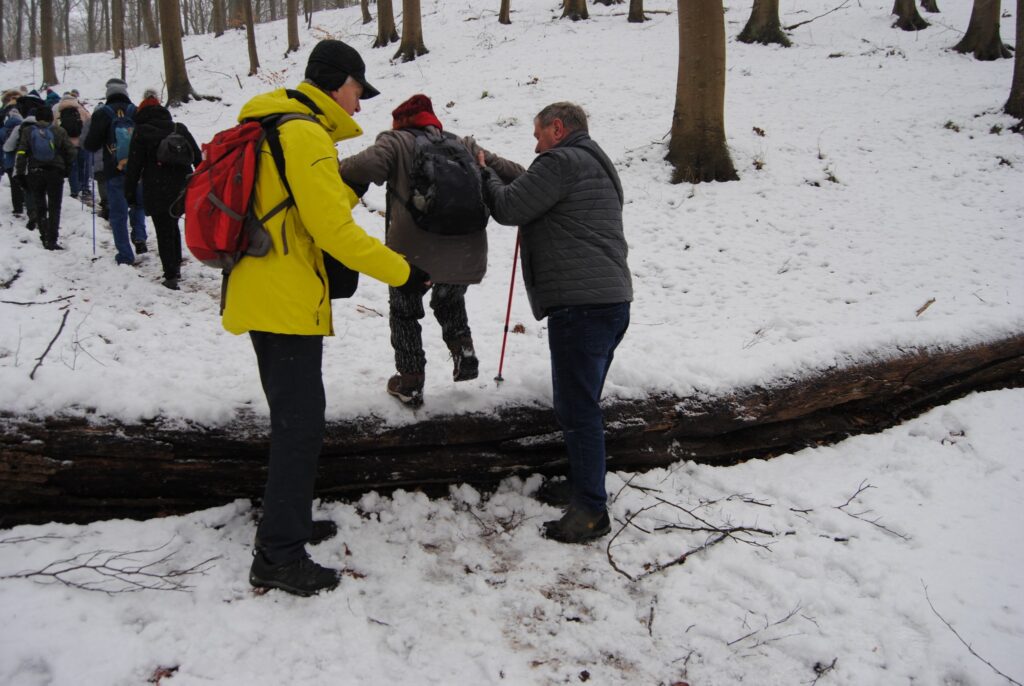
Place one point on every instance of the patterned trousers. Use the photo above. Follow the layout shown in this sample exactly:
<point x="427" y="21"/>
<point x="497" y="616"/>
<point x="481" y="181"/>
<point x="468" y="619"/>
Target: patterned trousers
<point x="448" y="302"/>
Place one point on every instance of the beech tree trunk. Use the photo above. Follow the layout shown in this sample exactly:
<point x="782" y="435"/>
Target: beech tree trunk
<point x="930" y="6"/>
<point x="907" y="16"/>
<point x="575" y="10"/>
<point x="697" y="148"/>
<point x="293" y="27"/>
<point x="1015" y="104"/>
<point x="3" y="36"/>
<point x="179" y="88"/>
<point x="505" y="12"/>
<point x="982" y="37"/>
<point x="250" y="36"/>
<point x="46" y="42"/>
<point x="152" y="34"/>
<point x="219" y="20"/>
<point x="76" y="470"/>
<point x="117" y="27"/>
<point x="412" y="45"/>
<point x="364" y="7"/>
<point x="764" y="26"/>
<point x="636" y="12"/>
<point x="386" y="32"/>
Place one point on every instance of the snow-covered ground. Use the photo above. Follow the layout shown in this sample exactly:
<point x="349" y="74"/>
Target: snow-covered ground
<point x="888" y="178"/>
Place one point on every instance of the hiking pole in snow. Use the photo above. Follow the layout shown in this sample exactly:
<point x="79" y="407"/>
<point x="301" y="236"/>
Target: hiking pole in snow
<point x="508" y="311"/>
<point x="92" y="200"/>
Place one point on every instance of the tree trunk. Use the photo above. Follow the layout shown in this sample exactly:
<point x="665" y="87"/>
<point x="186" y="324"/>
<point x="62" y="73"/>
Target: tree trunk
<point x="930" y="6"/>
<point x="250" y="36"/>
<point x="293" y="27"/>
<point x="46" y="42"/>
<point x="108" y="37"/>
<point x="66" y="21"/>
<point x="412" y="45"/>
<point x="152" y="34"/>
<point x="575" y="10"/>
<point x="364" y="6"/>
<point x="1015" y="105"/>
<point x="3" y="37"/>
<point x="236" y="14"/>
<point x="117" y="27"/>
<point x="33" y="31"/>
<point x="219" y="20"/>
<point x="179" y="89"/>
<point x="636" y="12"/>
<point x="907" y="16"/>
<point x="17" y="30"/>
<point x="697" y="148"/>
<point x="81" y="470"/>
<point x="764" y="26"/>
<point x="982" y="37"/>
<point x="386" y="33"/>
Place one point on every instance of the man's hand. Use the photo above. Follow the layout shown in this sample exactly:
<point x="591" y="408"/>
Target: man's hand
<point x="480" y="158"/>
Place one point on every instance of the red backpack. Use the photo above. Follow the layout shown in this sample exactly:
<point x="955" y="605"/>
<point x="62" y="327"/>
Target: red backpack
<point x="220" y="227"/>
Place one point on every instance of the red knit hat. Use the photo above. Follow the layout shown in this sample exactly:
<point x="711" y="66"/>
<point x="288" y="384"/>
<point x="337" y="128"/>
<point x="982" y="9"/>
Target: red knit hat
<point x="148" y="102"/>
<point x="416" y="112"/>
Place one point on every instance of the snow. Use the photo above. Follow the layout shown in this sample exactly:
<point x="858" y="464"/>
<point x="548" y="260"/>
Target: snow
<point x="757" y="282"/>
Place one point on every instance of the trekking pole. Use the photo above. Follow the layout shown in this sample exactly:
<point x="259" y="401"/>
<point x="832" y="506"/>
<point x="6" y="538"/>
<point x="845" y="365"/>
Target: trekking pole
<point x="508" y="312"/>
<point x="92" y="201"/>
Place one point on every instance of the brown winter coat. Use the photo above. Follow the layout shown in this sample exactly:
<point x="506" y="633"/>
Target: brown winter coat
<point x="65" y="103"/>
<point x="448" y="259"/>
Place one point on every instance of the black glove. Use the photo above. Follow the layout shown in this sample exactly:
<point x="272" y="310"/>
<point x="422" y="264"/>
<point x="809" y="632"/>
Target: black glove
<point x="358" y="188"/>
<point x="417" y="283"/>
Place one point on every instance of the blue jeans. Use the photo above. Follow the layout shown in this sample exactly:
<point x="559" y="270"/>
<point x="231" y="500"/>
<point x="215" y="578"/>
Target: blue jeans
<point x="119" y="216"/>
<point x="582" y="340"/>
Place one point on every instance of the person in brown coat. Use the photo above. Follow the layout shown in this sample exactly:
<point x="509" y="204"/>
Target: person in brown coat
<point x="454" y="261"/>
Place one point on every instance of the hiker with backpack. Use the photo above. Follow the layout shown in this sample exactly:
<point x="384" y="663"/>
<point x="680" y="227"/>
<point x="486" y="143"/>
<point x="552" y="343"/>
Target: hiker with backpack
<point x="281" y="299"/>
<point x="45" y="154"/>
<point x="70" y="114"/>
<point x="161" y="156"/>
<point x="110" y="130"/>
<point x="10" y="122"/>
<point x="436" y="217"/>
<point x="568" y="206"/>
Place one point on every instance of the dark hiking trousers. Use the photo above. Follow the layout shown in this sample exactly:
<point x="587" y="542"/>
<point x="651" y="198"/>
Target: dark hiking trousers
<point x="47" y="188"/>
<point x="168" y="243"/>
<point x="290" y="370"/>
<point x="448" y="301"/>
<point x="17" y="193"/>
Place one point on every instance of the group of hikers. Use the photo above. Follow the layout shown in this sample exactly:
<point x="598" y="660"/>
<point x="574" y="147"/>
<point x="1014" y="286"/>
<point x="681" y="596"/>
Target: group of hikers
<point x="441" y="191"/>
<point x="114" y="149"/>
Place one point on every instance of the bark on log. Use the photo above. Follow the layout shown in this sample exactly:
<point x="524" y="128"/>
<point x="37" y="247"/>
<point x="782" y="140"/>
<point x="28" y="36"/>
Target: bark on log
<point x="71" y="470"/>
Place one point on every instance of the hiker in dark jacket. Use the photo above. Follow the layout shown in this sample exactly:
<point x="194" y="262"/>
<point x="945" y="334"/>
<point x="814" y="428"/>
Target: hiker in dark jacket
<point x="71" y="115"/>
<point x="100" y="136"/>
<point x="11" y="120"/>
<point x="162" y="183"/>
<point x="453" y="261"/>
<point x="45" y="174"/>
<point x="568" y="205"/>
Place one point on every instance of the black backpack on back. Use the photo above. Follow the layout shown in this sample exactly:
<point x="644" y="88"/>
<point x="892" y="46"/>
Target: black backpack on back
<point x="71" y="121"/>
<point x="174" y="150"/>
<point x="446" y="191"/>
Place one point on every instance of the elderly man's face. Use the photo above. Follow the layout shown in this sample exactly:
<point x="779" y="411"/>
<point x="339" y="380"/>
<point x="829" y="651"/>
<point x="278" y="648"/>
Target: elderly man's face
<point x="548" y="136"/>
<point x="348" y="95"/>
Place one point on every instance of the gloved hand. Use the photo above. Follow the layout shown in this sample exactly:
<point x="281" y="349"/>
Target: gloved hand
<point x="358" y="188"/>
<point x="418" y="282"/>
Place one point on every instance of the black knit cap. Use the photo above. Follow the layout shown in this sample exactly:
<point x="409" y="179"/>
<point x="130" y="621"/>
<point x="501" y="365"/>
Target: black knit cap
<point x="43" y="113"/>
<point x="331" y="63"/>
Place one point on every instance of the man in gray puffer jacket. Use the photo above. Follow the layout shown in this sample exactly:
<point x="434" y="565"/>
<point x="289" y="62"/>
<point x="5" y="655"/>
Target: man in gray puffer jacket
<point x="569" y="207"/>
<point x="453" y="261"/>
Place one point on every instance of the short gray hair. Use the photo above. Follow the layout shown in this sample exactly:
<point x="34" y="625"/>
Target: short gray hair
<point x="572" y="115"/>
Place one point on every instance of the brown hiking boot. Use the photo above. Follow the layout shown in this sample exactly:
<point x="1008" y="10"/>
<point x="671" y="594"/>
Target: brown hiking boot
<point x="408" y="388"/>
<point x="465" y="365"/>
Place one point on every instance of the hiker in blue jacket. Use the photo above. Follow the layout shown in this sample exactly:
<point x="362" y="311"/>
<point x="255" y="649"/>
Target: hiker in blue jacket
<point x="45" y="157"/>
<point x="118" y="113"/>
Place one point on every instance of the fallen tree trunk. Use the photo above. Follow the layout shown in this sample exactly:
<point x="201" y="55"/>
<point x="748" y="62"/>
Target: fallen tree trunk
<point x="72" y="470"/>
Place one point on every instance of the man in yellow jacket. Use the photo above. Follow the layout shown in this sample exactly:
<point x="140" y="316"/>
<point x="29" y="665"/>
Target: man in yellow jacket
<point x="281" y="300"/>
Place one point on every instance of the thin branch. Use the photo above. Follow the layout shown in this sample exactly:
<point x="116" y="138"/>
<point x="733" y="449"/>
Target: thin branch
<point x="39" y="363"/>
<point x="822" y="669"/>
<point x="961" y="639"/>
<point x="792" y="613"/>
<point x="836" y="9"/>
<point x="864" y="485"/>
<point x="42" y="302"/>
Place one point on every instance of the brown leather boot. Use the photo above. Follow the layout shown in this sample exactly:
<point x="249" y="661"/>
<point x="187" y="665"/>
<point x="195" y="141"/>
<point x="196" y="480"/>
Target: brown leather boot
<point x="408" y="388"/>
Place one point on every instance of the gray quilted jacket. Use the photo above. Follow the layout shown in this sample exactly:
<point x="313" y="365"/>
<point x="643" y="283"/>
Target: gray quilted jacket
<point x="568" y="206"/>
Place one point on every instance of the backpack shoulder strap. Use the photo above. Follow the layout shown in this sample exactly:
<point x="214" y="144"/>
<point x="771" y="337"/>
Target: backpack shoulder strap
<point x="270" y="130"/>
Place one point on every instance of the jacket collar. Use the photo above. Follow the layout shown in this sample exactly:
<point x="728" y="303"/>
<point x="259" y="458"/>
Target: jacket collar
<point x="335" y="121"/>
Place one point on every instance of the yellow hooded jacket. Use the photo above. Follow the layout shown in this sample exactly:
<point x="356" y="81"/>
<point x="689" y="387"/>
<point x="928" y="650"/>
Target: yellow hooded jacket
<point x="286" y="290"/>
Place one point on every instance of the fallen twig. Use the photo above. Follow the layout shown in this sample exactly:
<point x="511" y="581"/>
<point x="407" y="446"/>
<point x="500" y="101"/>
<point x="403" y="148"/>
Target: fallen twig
<point x="39" y="362"/>
<point x="864" y="485"/>
<point x="961" y="639"/>
<point x="835" y="9"/>
<point x="767" y="625"/>
<point x="924" y="307"/>
<point x="40" y="302"/>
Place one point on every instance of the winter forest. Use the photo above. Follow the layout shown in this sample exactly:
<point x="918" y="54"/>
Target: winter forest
<point x="813" y="422"/>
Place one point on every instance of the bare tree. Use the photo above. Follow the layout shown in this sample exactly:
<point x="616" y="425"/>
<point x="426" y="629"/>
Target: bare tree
<point x="293" y="27"/>
<point x="697" y="148"/>
<point x="152" y="34"/>
<point x="117" y="27"/>
<point x="982" y="37"/>
<point x="575" y="9"/>
<point x="364" y="6"/>
<point x="636" y="12"/>
<point x="46" y="41"/>
<point x="219" y="20"/>
<point x="907" y="16"/>
<point x="504" y="12"/>
<point x="764" y="26"/>
<point x="33" y="13"/>
<point x="250" y="35"/>
<point x="930" y="6"/>
<point x="1015" y="105"/>
<point x="412" y="45"/>
<point x="179" y="89"/>
<point x="386" y="32"/>
<point x="3" y="41"/>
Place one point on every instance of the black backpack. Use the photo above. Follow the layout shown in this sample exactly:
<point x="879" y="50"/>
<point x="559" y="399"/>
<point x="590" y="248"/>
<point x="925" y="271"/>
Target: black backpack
<point x="446" y="195"/>
<point x="175" y="150"/>
<point x="71" y="121"/>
